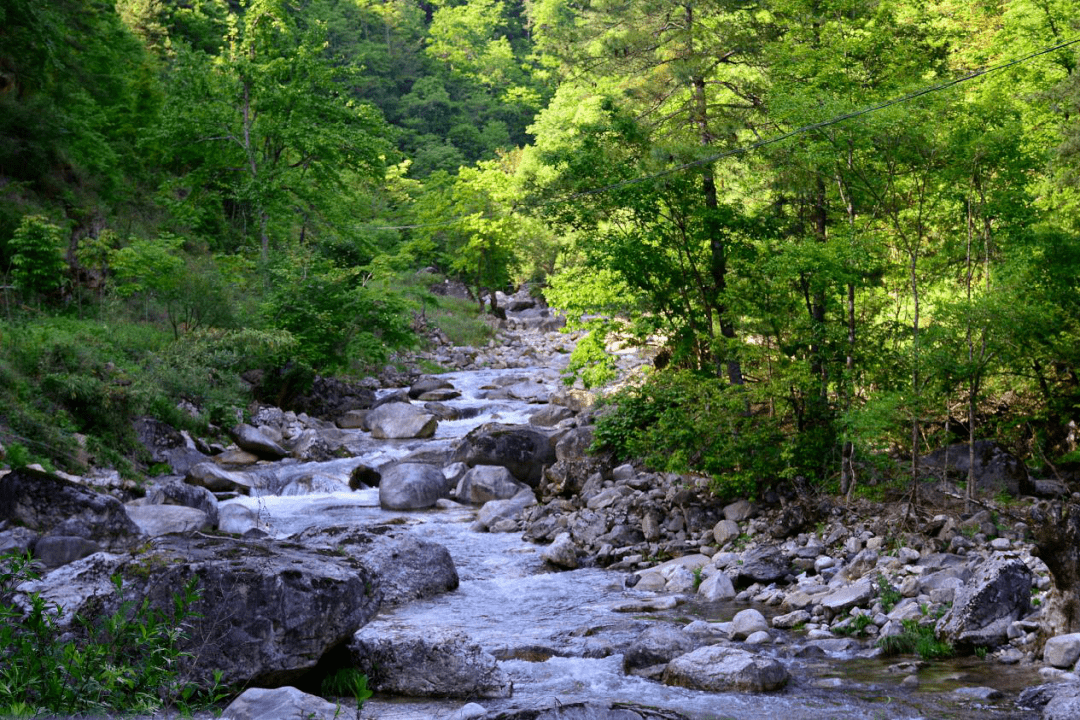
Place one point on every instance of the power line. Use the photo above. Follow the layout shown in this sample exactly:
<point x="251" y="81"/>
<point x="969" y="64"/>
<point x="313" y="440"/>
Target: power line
<point x="761" y="143"/>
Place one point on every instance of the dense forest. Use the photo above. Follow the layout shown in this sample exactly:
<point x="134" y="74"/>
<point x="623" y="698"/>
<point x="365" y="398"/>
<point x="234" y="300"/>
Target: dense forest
<point x="853" y="244"/>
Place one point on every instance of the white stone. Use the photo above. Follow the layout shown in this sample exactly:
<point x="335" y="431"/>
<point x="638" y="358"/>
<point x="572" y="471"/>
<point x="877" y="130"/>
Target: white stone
<point x="1062" y="651"/>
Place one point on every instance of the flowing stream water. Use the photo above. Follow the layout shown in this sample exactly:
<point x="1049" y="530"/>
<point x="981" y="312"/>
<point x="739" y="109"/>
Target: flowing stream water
<point x="554" y="632"/>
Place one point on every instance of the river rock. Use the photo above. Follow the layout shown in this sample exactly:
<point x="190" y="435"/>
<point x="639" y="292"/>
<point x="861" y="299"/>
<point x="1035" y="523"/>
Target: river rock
<point x="428" y="662"/>
<point x="267" y="610"/>
<point x="550" y="415"/>
<point x="255" y="441"/>
<point x="488" y="482"/>
<point x="427" y="384"/>
<point x="154" y="520"/>
<point x="495" y="511"/>
<point x="574" y="444"/>
<point x="400" y="421"/>
<point x="717" y="668"/>
<point x="1062" y="651"/>
<point x="235" y="518"/>
<point x="847" y="597"/>
<point x="561" y="552"/>
<point x="1064" y="704"/>
<point x="716" y="587"/>
<point x="278" y="703"/>
<point x="52" y="506"/>
<point x="657" y="644"/>
<point x="411" y="486"/>
<point x="215" y="479"/>
<point x="173" y="491"/>
<point x="765" y="564"/>
<point x="999" y="593"/>
<point x="725" y="530"/>
<point x="746" y="623"/>
<point x="521" y="449"/>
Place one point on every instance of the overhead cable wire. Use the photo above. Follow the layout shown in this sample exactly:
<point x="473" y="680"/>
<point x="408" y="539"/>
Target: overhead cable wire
<point x="709" y="159"/>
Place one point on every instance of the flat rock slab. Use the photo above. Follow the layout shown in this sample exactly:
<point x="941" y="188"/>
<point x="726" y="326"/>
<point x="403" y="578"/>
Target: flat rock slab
<point x="155" y="520"/>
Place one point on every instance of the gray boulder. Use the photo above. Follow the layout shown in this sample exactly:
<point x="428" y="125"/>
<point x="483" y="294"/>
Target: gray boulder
<point x="255" y="441"/>
<point x="550" y="415"/>
<point x="427" y="384"/>
<point x="561" y="553"/>
<point x="764" y="565"/>
<point x="167" y="445"/>
<point x="1062" y="651"/>
<point x="717" y="668"/>
<point x="411" y="486"/>
<point x="1065" y="703"/>
<point x="495" y="511"/>
<point x="210" y="476"/>
<point x="430" y="662"/>
<point x="267" y="611"/>
<point x="746" y="623"/>
<point x="716" y="587"/>
<point x="52" y="506"/>
<point x="278" y="703"/>
<point x="401" y="420"/>
<point x="659" y="643"/>
<point x="998" y="593"/>
<point x="521" y="449"/>
<point x="574" y="445"/>
<point x="488" y="482"/>
<point x="174" y="491"/>
<point x="405" y="567"/>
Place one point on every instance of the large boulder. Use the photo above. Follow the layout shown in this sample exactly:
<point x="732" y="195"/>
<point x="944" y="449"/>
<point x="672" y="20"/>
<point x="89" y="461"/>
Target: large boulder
<point x="427" y="662"/>
<point x="521" y="449"/>
<point x="255" y="441"/>
<point x="54" y="507"/>
<point x="717" y="668"/>
<point x="267" y="611"/>
<point x="406" y="568"/>
<point x="488" y="482"/>
<point x="427" y="384"/>
<point x="659" y="643"/>
<point x="173" y="491"/>
<point x="155" y="520"/>
<point x="401" y="420"/>
<point x="215" y="479"/>
<point x="764" y="564"/>
<point x="998" y="593"/>
<point x="411" y="486"/>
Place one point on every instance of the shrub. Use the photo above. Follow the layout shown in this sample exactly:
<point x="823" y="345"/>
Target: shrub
<point x="681" y="421"/>
<point x="590" y="360"/>
<point x="124" y="662"/>
<point x="918" y="639"/>
<point x="37" y="265"/>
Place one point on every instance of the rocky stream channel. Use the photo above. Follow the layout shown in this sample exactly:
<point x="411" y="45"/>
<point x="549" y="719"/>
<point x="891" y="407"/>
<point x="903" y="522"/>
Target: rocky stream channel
<point x="452" y="539"/>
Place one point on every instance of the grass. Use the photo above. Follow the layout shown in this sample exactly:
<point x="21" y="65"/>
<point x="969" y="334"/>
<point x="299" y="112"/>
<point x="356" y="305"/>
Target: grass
<point x="916" y="639"/>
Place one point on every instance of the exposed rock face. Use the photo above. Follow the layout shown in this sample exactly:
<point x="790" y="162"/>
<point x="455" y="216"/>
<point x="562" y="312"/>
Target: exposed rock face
<point x="167" y="445"/>
<point x="405" y="567"/>
<point x="999" y="593"/>
<point x="724" y="669"/>
<point x="996" y="469"/>
<point x="1056" y="529"/>
<point x="521" y="449"/>
<point x="268" y="610"/>
<point x="401" y="420"/>
<point x="427" y="663"/>
<point x="54" y="507"/>
<point x="411" y="486"/>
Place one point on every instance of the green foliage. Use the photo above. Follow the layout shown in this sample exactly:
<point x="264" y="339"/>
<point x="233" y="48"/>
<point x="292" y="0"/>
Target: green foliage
<point x="681" y="421"/>
<point x="347" y="682"/>
<point x="36" y="263"/>
<point x="590" y="361"/>
<point x="888" y="596"/>
<point x="341" y="317"/>
<point x="916" y="638"/>
<point x="125" y="662"/>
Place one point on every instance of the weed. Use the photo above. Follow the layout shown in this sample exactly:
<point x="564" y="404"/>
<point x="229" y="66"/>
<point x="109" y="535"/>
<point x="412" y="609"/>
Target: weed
<point x="980" y="652"/>
<point x="348" y="682"/>
<point x="698" y="578"/>
<point x="123" y="663"/>
<point x="887" y="594"/>
<point x="918" y="639"/>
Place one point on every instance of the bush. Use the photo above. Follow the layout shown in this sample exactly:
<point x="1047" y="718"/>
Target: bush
<point x="37" y="265"/>
<point x="917" y="639"/>
<point x="681" y="421"/>
<point x="125" y="662"/>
